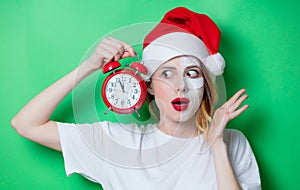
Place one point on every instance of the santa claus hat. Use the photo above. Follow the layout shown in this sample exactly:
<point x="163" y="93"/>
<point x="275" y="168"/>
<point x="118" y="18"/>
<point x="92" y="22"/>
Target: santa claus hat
<point x="183" y="32"/>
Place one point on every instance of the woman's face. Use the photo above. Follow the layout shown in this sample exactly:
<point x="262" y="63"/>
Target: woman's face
<point x="177" y="86"/>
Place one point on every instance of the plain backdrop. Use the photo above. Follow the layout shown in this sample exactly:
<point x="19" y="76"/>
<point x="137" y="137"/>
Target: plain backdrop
<point x="42" y="40"/>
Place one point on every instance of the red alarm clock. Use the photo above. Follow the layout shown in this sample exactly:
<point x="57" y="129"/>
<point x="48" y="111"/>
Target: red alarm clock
<point x="124" y="91"/>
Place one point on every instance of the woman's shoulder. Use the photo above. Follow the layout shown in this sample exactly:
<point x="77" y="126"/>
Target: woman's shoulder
<point x="235" y="139"/>
<point x="233" y="134"/>
<point x="238" y="145"/>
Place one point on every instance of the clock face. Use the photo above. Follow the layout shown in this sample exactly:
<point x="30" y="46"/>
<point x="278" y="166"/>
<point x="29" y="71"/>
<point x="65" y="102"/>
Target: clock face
<point x="124" y="91"/>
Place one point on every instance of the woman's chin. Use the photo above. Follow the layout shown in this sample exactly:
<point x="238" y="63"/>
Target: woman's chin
<point x="180" y="117"/>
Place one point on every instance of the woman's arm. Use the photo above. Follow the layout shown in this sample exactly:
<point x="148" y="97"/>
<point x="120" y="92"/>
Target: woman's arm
<point x="33" y="122"/>
<point x="226" y="178"/>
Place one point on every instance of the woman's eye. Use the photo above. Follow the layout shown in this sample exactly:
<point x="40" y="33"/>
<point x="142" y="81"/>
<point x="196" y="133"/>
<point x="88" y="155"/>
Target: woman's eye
<point x="193" y="73"/>
<point x="167" y="74"/>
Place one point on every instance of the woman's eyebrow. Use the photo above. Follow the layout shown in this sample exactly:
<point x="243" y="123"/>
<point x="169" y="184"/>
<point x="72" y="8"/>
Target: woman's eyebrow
<point x="167" y="68"/>
<point x="192" y="66"/>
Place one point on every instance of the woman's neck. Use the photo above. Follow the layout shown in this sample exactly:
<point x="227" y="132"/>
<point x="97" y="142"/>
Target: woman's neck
<point x="179" y="129"/>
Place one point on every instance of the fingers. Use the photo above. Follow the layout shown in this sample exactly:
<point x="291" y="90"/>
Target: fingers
<point x="228" y="111"/>
<point x="113" y="49"/>
<point x="109" y="49"/>
<point x="238" y="112"/>
<point x="235" y="102"/>
<point x="127" y="50"/>
<point x="234" y="98"/>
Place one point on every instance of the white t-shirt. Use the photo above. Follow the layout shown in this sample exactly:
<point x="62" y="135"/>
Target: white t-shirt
<point x="129" y="157"/>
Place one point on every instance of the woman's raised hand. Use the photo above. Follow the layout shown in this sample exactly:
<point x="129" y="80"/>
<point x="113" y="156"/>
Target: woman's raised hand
<point x="109" y="49"/>
<point x="224" y="114"/>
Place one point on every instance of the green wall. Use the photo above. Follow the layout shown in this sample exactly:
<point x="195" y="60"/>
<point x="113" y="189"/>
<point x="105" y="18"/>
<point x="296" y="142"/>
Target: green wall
<point x="41" y="40"/>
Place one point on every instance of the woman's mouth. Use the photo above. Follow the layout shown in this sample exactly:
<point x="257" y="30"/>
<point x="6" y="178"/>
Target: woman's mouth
<point x="180" y="104"/>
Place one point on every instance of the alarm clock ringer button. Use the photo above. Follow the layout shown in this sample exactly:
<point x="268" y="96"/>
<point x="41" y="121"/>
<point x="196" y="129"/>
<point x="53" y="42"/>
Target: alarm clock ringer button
<point x="110" y="66"/>
<point x="139" y="67"/>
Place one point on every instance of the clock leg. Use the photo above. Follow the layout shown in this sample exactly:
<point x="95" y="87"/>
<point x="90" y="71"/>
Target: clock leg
<point x="107" y="110"/>
<point x="137" y="112"/>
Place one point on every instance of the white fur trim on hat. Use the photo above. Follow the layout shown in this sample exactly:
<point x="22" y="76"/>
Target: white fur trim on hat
<point x="169" y="46"/>
<point x="175" y="44"/>
<point x="215" y="64"/>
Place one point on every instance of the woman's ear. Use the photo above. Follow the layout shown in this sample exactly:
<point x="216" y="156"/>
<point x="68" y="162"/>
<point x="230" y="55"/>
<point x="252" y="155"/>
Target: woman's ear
<point x="150" y="89"/>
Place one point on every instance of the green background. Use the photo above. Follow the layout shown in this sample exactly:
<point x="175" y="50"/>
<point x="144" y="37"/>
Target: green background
<point x="42" y="40"/>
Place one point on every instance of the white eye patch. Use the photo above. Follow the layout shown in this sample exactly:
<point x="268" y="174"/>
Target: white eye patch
<point x="194" y="83"/>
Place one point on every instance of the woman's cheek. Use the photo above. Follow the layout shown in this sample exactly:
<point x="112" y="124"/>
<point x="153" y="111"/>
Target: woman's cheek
<point x="196" y="97"/>
<point x="164" y="88"/>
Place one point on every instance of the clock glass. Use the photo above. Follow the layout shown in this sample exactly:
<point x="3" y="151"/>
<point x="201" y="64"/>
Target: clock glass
<point x="124" y="91"/>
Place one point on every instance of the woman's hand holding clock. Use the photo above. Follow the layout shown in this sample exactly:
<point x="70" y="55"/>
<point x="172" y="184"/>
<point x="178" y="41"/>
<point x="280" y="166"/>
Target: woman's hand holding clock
<point x="33" y="120"/>
<point x="109" y="49"/>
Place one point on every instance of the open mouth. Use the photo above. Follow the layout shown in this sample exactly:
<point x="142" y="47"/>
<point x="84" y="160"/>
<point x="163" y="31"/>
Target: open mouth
<point x="180" y="104"/>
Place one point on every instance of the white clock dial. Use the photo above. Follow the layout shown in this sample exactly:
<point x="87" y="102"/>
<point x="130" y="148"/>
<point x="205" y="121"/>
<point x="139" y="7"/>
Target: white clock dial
<point x="123" y="91"/>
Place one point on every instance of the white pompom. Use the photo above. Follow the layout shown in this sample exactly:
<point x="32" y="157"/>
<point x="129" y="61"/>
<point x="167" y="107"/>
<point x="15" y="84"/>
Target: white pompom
<point x="215" y="64"/>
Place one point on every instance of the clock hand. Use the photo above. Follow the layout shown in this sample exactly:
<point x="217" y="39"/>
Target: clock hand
<point x="122" y="86"/>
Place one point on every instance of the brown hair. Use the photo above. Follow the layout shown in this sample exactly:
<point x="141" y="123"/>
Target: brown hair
<point x="206" y="109"/>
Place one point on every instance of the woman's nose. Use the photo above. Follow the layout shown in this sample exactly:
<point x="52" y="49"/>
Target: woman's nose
<point x="182" y="85"/>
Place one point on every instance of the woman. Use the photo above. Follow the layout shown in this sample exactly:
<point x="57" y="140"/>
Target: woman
<point x="186" y="148"/>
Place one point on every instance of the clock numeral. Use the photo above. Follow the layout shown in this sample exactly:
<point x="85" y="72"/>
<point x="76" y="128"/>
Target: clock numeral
<point x="110" y="90"/>
<point x="122" y="102"/>
<point x="133" y="97"/>
<point x="129" y="102"/>
<point x="117" y="100"/>
<point x="113" y="84"/>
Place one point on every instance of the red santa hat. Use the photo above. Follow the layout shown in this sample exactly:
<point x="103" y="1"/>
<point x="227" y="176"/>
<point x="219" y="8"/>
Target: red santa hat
<point x="183" y="32"/>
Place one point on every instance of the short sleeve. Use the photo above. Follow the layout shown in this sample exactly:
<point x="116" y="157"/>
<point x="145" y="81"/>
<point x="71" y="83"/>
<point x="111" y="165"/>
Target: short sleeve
<point x="78" y="157"/>
<point x="243" y="160"/>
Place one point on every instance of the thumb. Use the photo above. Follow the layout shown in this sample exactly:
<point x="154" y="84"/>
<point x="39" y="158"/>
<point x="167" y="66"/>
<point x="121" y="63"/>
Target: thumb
<point x="127" y="54"/>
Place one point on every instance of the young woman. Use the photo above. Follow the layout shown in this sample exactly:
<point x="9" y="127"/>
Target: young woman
<point x="188" y="147"/>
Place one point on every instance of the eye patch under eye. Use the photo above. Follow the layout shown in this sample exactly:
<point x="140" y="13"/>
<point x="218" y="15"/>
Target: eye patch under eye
<point x="192" y="73"/>
<point x="194" y="83"/>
